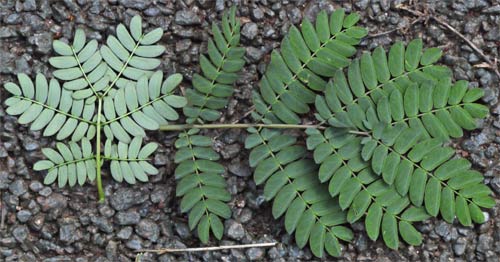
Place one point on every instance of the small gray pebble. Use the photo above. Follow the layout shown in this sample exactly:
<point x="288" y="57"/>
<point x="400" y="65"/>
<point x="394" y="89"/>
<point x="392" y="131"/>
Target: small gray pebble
<point x="18" y="187"/>
<point x="235" y="230"/>
<point x="148" y="229"/>
<point x="257" y="14"/>
<point x="187" y="17"/>
<point x="23" y="215"/>
<point x="249" y="30"/>
<point x="125" y="233"/>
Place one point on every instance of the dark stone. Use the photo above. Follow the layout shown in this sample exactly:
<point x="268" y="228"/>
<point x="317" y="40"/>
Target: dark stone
<point x="459" y="246"/>
<point x="485" y="243"/>
<point x="36" y="186"/>
<point x="257" y="14"/>
<point x="112" y="251"/>
<point x="128" y="218"/>
<point x="20" y="233"/>
<point x="68" y="233"/>
<point x="12" y="19"/>
<point x="492" y="10"/>
<point x="29" y="5"/>
<point x="124" y="233"/>
<point x="254" y="54"/>
<point x="8" y="242"/>
<point x="152" y="11"/>
<point x="148" y="229"/>
<point x="182" y="230"/>
<point x="159" y="195"/>
<point x="255" y="253"/>
<point x="102" y="223"/>
<point x="54" y="201"/>
<point x="18" y="187"/>
<point x="182" y="45"/>
<point x="295" y="15"/>
<point x="30" y="144"/>
<point x="125" y="198"/>
<point x="23" y="215"/>
<point x="230" y="151"/>
<point x="219" y="5"/>
<point x="134" y="244"/>
<point x="135" y="4"/>
<point x="235" y="230"/>
<point x="37" y="222"/>
<point x="43" y="42"/>
<point x="240" y="169"/>
<point x="6" y="32"/>
<point x="46" y="191"/>
<point x="362" y="4"/>
<point x="4" y="179"/>
<point x="187" y="17"/>
<point x="249" y="30"/>
<point x="106" y="211"/>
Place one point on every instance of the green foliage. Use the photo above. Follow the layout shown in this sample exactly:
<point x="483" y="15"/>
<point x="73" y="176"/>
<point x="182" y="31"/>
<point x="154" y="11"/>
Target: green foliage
<point x="201" y="185"/>
<point x="290" y="180"/>
<point x="307" y="56"/>
<point x="142" y="106"/>
<point x="112" y="89"/>
<point x="68" y="164"/>
<point x="378" y="151"/>
<point x="51" y="108"/>
<point x="129" y="162"/>
<point x="376" y="154"/>
<point x="219" y="72"/>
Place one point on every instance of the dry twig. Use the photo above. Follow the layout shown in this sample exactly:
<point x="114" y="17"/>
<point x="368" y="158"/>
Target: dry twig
<point x="492" y="64"/>
<point x="396" y="29"/>
<point x="197" y="249"/>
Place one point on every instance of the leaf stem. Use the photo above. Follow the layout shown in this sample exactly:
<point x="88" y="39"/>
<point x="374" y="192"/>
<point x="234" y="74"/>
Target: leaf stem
<point x="98" y="151"/>
<point x="123" y="67"/>
<point x="359" y="133"/>
<point x="75" y="55"/>
<point x="56" y="110"/>
<point x="233" y="126"/>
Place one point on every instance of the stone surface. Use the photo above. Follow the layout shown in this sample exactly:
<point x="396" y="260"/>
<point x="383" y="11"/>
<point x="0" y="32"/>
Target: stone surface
<point x="124" y="198"/>
<point x="235" y="230"/>
<point x="249" y="30"/>
<point x="187" y="17"/>
<point x="148" y="229"/>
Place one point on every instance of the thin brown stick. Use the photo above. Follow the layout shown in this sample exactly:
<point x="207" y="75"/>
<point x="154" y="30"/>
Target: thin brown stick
<point x="252" y="108"/>
<point x="395" y="29"/>
<point x="197" y="249"/>
<point x="493" y="64"/>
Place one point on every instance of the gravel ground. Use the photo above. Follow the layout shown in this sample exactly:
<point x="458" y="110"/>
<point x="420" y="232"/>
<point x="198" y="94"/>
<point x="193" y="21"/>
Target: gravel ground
<point x="44" y="223"/>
